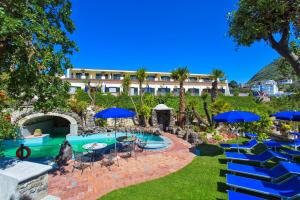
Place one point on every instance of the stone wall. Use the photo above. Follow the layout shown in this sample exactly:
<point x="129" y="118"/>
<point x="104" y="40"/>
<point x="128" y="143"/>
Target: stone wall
<point x="35" y="188"/>
<point x="125" y="122"/>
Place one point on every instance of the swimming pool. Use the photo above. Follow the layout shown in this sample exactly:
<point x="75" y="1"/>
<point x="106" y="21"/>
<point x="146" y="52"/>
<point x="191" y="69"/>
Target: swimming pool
<point x="50" y="147"/>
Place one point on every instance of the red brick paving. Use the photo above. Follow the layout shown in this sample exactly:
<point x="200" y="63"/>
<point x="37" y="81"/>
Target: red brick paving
<point x="98" y="181"/>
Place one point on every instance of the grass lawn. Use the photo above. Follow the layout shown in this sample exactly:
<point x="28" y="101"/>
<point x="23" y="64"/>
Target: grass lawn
<point x="204" y="178"/>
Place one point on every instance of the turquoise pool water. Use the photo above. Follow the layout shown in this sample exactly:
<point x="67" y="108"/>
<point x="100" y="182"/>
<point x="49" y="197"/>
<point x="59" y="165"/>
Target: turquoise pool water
<point x="50" y="147"/>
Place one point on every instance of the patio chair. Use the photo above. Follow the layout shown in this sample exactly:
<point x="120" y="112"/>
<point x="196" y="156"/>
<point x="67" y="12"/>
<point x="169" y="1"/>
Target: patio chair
<point x="109" y="159"/>
<point x="259" y="158"/>
<point x="275" y="174"/>
<point x="232" y="195"/>
<point x="81" y="161"/>
<point x="141" y="145"/>
<point x="289" y="189"/>
<point x="250" y="145"/>
<point x="126" y="152"/>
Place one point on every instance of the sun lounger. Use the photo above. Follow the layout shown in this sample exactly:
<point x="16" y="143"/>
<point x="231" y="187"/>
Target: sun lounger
<point x="260" y="158"/>
<point x="286" y="190"/>
<point x="248" y="146"/>
<point x="278" y="144"/>
<point x="276" y="173"/>
<point x="292" y="152"/>
<point x="251" y="135"/>
<point x="232" y="195"/>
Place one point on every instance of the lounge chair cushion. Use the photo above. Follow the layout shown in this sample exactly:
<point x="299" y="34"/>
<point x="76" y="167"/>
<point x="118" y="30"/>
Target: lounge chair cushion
<point x="287" y="189"/>
<point x="238" y="196"/>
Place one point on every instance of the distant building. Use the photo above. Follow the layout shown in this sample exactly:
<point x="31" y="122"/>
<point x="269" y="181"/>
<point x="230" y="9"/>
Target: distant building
<point x="156" y="83"/>
<point x="286" y="82"/>
<point x="267" y="87"/>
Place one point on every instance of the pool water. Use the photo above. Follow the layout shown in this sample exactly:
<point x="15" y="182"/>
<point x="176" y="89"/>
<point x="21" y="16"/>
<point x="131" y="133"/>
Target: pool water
<point x="50" y="148"/>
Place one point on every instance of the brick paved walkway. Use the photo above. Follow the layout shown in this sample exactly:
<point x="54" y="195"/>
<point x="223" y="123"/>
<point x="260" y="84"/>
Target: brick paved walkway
<point x="98" y="181"/>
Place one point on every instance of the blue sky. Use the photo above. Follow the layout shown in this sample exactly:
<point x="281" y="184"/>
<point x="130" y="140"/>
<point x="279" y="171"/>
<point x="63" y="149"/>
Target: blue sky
<point x="161" y="35"/>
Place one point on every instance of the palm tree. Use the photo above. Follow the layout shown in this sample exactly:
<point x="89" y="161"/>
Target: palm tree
<point x="141" y="76"/>
<point x="181" y="74"/>
<point x="126" y="85"/>
<point x="216" y="76"/>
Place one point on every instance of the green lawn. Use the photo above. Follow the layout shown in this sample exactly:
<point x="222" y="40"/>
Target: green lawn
<point x="204" y="178"/>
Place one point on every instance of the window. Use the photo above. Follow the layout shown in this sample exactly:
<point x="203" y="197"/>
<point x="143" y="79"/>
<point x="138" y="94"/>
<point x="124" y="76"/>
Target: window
<point x="194" y="91"/>
<point x="165" y="78"/>
<point x="206" y="80"/>
<point x="150" y="78"/>
<point x="133" y="77"/>
<point x="176" y="91"/>
<point x="98" y="76"/>
<point x="133" y="91"/>
<point x="78" y="75"/>
<point x="116" y="76"/>
<point x="193" y="79"/>
<point x="106" y="76"/>
<point x="163" y="91"/>
<point x="148" y="90"/>
<point x="112" y="89"/>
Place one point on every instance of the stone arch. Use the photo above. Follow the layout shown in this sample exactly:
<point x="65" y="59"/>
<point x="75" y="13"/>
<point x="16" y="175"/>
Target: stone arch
<point x="72" y="120"/>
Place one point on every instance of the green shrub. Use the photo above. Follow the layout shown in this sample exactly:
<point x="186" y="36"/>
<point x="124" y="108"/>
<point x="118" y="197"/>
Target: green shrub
<point x="7" y="130"/>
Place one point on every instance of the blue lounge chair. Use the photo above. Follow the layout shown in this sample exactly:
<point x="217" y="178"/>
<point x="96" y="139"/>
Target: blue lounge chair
<point x="232" y="195"/>
<point x="292" y="152"/>
<point x="276" y="173"/>
<point x="251" y="135"/>
<point x="286" y="190"/>
<point x="278" y="144"/>
<point x="248" y="146"/>
<point x="260" y="158"/>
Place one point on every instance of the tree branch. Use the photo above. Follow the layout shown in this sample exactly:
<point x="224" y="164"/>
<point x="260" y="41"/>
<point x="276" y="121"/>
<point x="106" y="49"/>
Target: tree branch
<point x="284" y="41"/>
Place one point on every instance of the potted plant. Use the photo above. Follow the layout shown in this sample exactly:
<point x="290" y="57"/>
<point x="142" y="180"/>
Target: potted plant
<point x="37" y="132"/>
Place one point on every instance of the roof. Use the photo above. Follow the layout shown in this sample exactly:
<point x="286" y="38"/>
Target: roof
<point x="130" y="71"/>
<point x="162" y="107"/>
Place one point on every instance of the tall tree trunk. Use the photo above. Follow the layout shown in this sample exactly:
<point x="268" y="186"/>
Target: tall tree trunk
<point x="205" y="106"/>
<point x="214" y="91"/>
<point x="181" y="105"/>
<point x="283" y="49"/>
<point x="198" y="117"/>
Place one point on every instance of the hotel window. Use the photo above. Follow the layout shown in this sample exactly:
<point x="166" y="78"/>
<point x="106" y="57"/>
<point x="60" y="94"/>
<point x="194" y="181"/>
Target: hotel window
<point x="98" y="76"/>
<point x="150" y="78"/>
<point x="165" y="78"/>
<point x="163" y="91"/>
<point x="87" y="75"/>
<point x="193" y="79"/>
<point x="78" y="75"/>
<point x="194" y="91"/>
<point x="176" y="91"/>
<point x="206" y="80"/>
<point x="112" y="89"/>
<point x="133" y="91"/>
<point x="148" y="90"/>
<point x="116" y="77"/>
<point x="133" y="77"/>
<point x="106" y="76"/>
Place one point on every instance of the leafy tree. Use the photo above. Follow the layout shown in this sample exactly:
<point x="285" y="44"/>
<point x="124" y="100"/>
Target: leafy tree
<point x="220" y="106"/>
<point x="7" y="130"/>
<point x="256" y="20"/>
<point x="35" y="49"/>
<point x="233" y="84"/>
<point x="141" y="76"/>
<point x="126" y="85"/>
<point x="181" y="74"/>
<point x="216" y="76"/>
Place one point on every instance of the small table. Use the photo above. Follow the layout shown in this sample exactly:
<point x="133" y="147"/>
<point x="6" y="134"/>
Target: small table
<point x="94" y="147"/>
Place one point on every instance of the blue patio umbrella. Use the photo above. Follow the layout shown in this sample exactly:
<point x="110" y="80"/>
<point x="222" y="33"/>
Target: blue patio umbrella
<point x="115" y="113"/>
<point x="288" y="116"/>
<point x="236" y="117"/>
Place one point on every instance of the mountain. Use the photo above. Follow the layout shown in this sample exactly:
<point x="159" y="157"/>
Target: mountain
<point x="272" y="72"/>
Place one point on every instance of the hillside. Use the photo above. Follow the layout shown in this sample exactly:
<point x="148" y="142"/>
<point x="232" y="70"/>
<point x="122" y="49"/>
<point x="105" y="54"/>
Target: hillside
<point x="272" y="72"/>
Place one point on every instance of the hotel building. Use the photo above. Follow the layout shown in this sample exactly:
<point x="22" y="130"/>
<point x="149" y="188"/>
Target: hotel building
<point x="156" y="83"/>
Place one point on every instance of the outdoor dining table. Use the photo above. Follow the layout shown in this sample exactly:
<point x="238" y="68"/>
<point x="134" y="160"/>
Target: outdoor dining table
<point x="93" y="148"/>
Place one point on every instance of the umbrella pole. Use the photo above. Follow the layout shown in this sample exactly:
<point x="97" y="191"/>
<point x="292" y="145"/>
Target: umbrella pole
<point x="116" y="136"/>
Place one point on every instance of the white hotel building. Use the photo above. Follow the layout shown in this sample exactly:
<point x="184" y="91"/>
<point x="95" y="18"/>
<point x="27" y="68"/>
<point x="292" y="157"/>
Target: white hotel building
<point x="156" y="83"/>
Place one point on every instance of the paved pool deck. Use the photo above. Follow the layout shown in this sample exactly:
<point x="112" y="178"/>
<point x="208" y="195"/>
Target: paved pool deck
<point x="99" y="181"/>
